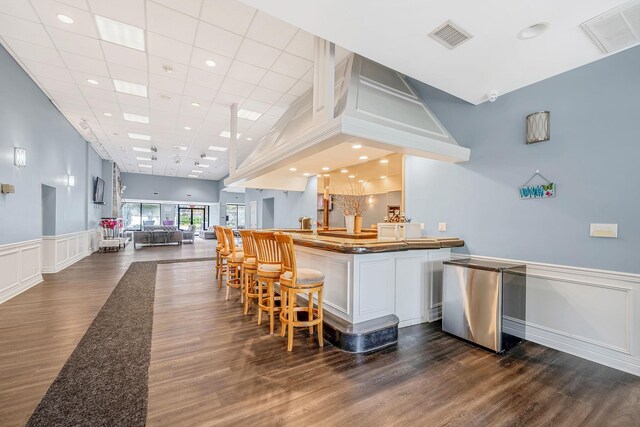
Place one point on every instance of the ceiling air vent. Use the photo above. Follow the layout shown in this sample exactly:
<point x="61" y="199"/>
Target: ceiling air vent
<point x="616" y="29"/>
<point x="450" y="35"/>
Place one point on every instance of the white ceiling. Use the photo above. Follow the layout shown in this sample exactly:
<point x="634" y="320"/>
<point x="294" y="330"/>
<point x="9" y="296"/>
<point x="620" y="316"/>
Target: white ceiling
<point x="395" y="34"/>
<point x="263" y="64"/>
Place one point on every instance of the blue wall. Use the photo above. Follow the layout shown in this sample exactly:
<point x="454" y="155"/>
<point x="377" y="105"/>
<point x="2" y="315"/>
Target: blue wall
<point x="592" y="157"/>
<point x="142" y="186"/>
<point x="54" y="150"/>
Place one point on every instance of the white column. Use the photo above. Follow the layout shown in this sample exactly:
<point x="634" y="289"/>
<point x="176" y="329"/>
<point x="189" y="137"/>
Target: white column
<point x="323" y="80"/>
<point x="233" y="140"/>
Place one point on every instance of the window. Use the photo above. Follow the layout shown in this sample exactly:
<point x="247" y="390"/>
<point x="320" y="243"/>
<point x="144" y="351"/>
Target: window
<point x="137" y="215"/>
<point x="235" y="216"/>
<point x="193" y="215"/>
<point x="150" y="214"/>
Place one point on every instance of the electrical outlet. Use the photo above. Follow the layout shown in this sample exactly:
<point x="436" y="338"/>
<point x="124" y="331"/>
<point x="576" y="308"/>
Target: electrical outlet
<point x="442" y="226"/>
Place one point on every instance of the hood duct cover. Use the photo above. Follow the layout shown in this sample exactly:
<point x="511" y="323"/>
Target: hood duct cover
<point x="374" y="106"/>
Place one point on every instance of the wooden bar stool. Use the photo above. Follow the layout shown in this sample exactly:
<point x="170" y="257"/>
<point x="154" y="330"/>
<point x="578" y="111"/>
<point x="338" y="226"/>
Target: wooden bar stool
<point x="235" y="259"/>
<point x="249" y="269"/>
<point x="221" y="254"/>
<point x="294" y="281"/>
<point x="269" y="269"/>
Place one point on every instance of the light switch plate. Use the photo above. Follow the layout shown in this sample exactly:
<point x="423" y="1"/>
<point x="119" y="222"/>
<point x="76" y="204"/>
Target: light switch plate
<point x="442" y="226"/>
<point x="604" y="230"/>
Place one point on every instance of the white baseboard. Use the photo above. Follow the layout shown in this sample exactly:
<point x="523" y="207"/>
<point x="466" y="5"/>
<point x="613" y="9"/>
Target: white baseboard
<point x="593" y="314"/>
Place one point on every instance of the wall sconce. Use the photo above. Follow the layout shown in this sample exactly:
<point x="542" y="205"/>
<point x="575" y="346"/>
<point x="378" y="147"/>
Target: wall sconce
<point x="20" y="156"/>
<point x="538" y="127"/>
<point x="71" y="181"/>
<point x="370" y="200"/>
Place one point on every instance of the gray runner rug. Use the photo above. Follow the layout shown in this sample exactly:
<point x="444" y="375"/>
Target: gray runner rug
<point x="104" y="381"/>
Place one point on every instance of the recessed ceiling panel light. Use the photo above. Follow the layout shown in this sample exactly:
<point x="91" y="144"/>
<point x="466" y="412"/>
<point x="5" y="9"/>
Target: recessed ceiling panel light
<point x="144" y="166"/>
<point x="108" y="114"/>
<point x="203" y="165"/>
<point x="139" y="136"/>
<point x="136" y="118"/>
<point x="120" y="33"/>
<point x="361" y="181"/>
<point x="209" y="158"/>
<point x="193" y="176"/>
<point x="292" y="169"/>
<point x="187" y="128"/>
<point x="144" y="159"/>
<point x="383" y="177"/>
<point x="93" y="82"/>
<point x="142" y="150"/>
<point x="180" y="147"/>
<point x="364" y="157"/>
<point x="356" y="146"/>
<point x="215" y="148"/>
<point x="383" y="161"/>
<point x="227" y="134"/>
<point x="210" y="63"/>
<point x="249" y="139"/>
<point x="326" y="174"/>
<point x="130" y="88"/>
<point x="344" y="170"/>
<point x="197" y="171"/>
<point x="351" y="176"/>
<point x="306" y="174"/>
<point x="533" y="31"/>
<point x="326" y="168"/>
<point x="65" y="19"/>
<point x="195" y="104"/>
<point x="249" y="115"/>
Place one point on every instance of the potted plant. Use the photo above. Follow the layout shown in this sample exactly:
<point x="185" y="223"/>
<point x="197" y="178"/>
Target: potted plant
<point x="352" y="203"/>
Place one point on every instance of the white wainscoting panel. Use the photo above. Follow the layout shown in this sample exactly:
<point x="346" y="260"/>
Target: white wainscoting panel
<point x="374" y="288"/>
<point x="589" y="313"/>
<point x="59" y="252"/>
<point x="19" y="267"/>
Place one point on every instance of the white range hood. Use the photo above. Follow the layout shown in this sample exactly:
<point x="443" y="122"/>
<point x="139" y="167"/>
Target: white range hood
<point x="372" y="105"/>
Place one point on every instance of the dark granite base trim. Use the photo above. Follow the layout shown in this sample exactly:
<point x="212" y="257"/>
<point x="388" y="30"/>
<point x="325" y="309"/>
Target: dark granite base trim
<point x="363" y="337"/>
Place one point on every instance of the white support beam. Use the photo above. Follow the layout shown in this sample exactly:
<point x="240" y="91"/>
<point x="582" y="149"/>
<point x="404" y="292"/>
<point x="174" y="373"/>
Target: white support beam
<point x="233" y="139"/>
<point x="323" y="80"/>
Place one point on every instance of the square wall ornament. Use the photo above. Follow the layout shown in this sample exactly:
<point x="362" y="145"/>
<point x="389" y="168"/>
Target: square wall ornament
<point x="538" y="127"/>
<point x="20" y="156"/>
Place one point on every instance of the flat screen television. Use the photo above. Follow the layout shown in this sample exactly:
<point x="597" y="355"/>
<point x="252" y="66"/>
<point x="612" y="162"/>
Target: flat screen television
<point x="98" y="191"/>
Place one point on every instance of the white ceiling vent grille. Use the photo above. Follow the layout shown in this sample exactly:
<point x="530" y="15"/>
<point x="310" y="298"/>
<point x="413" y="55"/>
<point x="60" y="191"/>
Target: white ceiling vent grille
<point x="616" y="29"/>
<point x="450" y="35"/>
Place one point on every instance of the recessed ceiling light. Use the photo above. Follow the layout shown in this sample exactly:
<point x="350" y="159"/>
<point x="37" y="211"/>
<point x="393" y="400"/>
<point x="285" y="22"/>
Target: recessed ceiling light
<point x="227" y="134"/>
<point x="326" y="168"/>
<point x="130" y="88"/>
<point x="144" y="159"/>
<point x="108" y="114"/>
<point x="306" y="174"/>
<point x="65" y="19"/>
<point x="139" y="136"/>
<point x="136" y="118"/>
<point x="533" y="31"/>
<point x="187" y="128"/>
<point x="93" y="82"/>
<point x="249" y="115"/>
<point x="142" y="150"/>
<point x="180" y="147"/>
<point x="292" y="169"/>
<point x="249" y="139"/>
<point x="326" y="174"/>
<point x="209" y="158"/>
<point x="202" y="165"/>
<point x="344" y="170"/>
<point x="120" y="33"/>
<point x="361" y="181"/>
<point x="384" y="161"/>
<point x="193" y="176"/>
<point x="383" y="177"/>
<point x="364" y="157"/>
<point x="144" y="166"/>
<point x="197" y="171"/>
<point x="195" y="104"/>
<point x="210" y="63"/>
<point x="215" y="148"/>
<point x="351" y="176"/>
<point x="356" y="146"/>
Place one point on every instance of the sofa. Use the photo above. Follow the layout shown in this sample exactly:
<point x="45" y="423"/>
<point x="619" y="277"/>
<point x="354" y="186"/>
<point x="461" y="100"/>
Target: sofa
<point x="188" y="235"/>
<point x="157" y="235"/>
<point x="207" y="234"/>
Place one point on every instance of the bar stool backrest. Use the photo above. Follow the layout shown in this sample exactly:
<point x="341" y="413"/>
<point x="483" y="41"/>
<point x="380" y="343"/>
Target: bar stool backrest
<point x="267" y="249"/>
<point x="220" y="236"/>
<point x="288" y="254"/>
<point x="248" y="244"/>
<point x="230" y="243"/>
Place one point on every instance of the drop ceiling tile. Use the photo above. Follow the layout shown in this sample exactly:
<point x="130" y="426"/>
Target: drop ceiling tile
<point x="48" y="71"/>
<point x="24" y="30"/>
<point x="302" y="45"/>
<point x="271" y="31"/>
<point x="50" y="84"/>
<point x="75" y="43"/>
<point x="236" y="87"/>
<point x="127" y="11"/>
<point x="166" y="47"/>
<point x="204" y="78"/>
<point x="258" y="54"/>
<point x="262" y="94"/>
<point x="231" y="15"/>
<point x="164" y="83"/>
<point x="276" y="81"/>
<point x="291" y="65"/>
<point x="217" y="40"/>
<point x="190" y="7"/>
<point x="276" y="111"/>
<point x="300" y="88"/>
<point x="258" y="107"/>
<point x="127" y="74"/>
<point x="286" y="100"/>
<point x="92" y="93"/>
<point x="68" y="97"/>
<point x="91" y="66"/>
<point x="127" y="99"/>
<point x="20" y="9"/>
<point x="227" y="99"/>
<point x="246" y="72"/>
<point x="201" y="92"/>
<point x="81" y="4"/>
<point x="161" y="105"/>
<point x="200" y="56"/>
<point x="35" y="52"/>
<point x="117" y="54"/>
<point x="177" y="70"/>
<point x="170" y="23"/>
<point x="100" y="107"/>
<point x="308" y="76"/>
<point x="48" y="11"/>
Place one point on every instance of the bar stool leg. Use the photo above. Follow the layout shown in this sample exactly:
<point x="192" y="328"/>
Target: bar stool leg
<point x="259" y="302"/>
<point x="226" y="298"/>
<point x="245" y="289"/>
<point x="290" y="309"/>
<point x="321" y="317"/>
<point x="284" y="294"/>
<point x="310" y="309"/>
<point x="272" y="306"/>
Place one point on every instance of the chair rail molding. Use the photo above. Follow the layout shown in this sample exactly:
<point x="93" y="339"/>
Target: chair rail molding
<point x="20" y="264"/>
<point x="593" y="314"/>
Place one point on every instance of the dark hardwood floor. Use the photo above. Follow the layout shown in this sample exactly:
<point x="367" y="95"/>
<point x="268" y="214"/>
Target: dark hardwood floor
<point x="210" y="365"/>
